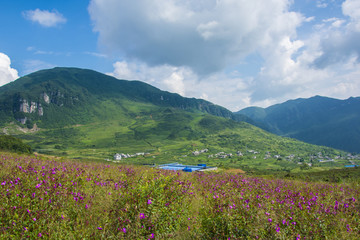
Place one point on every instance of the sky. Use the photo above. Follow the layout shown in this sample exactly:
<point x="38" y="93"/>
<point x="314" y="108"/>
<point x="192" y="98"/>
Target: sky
<point x="234" y="53"/>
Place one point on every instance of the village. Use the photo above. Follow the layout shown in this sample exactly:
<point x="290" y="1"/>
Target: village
<point x="317" y="158"/>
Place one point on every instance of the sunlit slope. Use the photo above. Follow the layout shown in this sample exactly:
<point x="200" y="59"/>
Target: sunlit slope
<point x="66" y="96"/>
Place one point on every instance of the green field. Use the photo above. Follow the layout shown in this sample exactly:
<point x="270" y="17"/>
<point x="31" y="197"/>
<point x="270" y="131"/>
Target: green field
<point x="44" y="197"/>
<point x="169" y="134"/>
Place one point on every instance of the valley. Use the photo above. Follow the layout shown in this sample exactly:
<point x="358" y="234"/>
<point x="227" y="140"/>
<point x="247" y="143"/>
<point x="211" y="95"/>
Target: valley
<point x="81" y="114"/>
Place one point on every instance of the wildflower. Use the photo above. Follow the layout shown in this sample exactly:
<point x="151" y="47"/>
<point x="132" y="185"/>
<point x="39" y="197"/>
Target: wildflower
<point x="152" y="236"/>
<point x="34" y="219"/>
<point x="283" y="221"/>
<point x="25" y="228"/>
<point x="270" y="220"/>
<point x="99" y="228"/>
<point x="277" y="229"/>
<point x="142" y="215"/>
<point x="124" y="230"/>
<point x="39" y="235"/>
<point x="149" y="201"/>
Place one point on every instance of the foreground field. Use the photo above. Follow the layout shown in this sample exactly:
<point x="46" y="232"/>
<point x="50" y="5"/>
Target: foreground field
<point x="44" y="198"/>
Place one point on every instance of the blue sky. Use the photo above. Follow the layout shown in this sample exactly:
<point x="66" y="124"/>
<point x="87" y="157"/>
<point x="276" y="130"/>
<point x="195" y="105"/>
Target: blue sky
<point x="235" y="53"/>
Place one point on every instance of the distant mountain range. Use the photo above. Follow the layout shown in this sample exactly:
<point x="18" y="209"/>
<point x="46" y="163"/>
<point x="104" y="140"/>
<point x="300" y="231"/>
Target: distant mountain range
<point x="81" y="113"/>
<point x="317" y="120"/>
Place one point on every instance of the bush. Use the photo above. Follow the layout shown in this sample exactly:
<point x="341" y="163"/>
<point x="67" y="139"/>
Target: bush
<point x="13" y="144"/>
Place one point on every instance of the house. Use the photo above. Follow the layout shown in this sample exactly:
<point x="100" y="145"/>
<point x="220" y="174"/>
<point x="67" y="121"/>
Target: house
<point x="239" y="153"/>
<point x="196" y="153"/>
<point x="117" y="157"/>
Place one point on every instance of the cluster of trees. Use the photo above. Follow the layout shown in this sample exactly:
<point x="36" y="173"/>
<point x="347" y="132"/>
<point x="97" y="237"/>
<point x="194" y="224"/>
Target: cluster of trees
<point x="10" y="143"/>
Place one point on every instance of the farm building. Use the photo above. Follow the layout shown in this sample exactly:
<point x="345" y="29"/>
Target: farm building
<point x="186" y="168"/>
<point x="351" y="166"/>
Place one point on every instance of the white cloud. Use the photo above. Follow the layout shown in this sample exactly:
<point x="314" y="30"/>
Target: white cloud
<point x="351" y="8"/>
<point x="164" y="77"/>
<point x="7" y="73"/>
<point x="44" y="17"/>
<point x="321" y="4"/>
<point x="205" y="36"/>
<point x="199" y="48"/>
<point x="96" y="54"/>
<point x="326" y="63"/>
<point x="231" y="92"/>
<point x="36" y="65"/>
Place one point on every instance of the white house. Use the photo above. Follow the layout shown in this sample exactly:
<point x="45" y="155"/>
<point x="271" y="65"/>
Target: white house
<point x="117" y="157"/>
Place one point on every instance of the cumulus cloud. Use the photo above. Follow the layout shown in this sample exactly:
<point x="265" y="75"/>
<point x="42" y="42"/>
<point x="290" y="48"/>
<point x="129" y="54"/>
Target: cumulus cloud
<point x="326" y="63"/>
<point x="231" y="91"/>
<point x="166" y="77"/>
<point x="205" y="36"/>
<point x="44" y="17"/>
<point x="339" y="44"/>
<point x="200" y="48"/>
<point x="7" y="73"/>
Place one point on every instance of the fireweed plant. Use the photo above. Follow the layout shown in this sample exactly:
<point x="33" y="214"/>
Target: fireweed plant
<point x="59" y="199"/>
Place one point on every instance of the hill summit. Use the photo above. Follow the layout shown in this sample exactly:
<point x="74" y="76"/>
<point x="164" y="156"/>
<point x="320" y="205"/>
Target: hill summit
<point x="65" y="96"/>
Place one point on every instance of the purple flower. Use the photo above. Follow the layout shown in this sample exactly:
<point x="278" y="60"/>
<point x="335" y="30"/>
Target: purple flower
<point x="149" y="201"/>
<point x="142" y="216"/>
<point x="270" y="220"/>
<point x="39" y="235"/>
<point x="34" y="219"/>
<point x="124" y="230"/>
<point x="277" y="229"/>
<point x="99" y="228"/>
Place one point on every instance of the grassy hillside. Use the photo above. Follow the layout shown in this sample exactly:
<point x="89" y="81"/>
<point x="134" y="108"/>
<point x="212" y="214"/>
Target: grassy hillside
<point x="9" y="143"/>
<point x="317" y="120"/>
<point x="61" y="199"/>
<point x="67" y="96"/>
<point x="171" y="135"/>
<point x="82" y="114"/>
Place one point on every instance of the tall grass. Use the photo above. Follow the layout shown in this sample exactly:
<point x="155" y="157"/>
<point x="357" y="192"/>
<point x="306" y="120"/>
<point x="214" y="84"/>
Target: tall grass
<point x="53" y="199"/>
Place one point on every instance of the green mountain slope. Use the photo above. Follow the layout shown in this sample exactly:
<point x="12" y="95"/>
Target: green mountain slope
<point x="317" y="120"/>
<point x="66" y="96"/>
<point x="84" y="114"/>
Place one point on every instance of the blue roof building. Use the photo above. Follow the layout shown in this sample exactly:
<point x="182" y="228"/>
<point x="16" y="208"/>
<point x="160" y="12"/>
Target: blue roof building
<point x="351" y="165"/>
<point x="185" y="168"/>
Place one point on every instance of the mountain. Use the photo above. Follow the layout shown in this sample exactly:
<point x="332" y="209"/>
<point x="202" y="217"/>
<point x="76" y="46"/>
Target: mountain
<point x="65" y="96"/>
<point x="317" y="120"/>
<point x="77" y="113"/>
